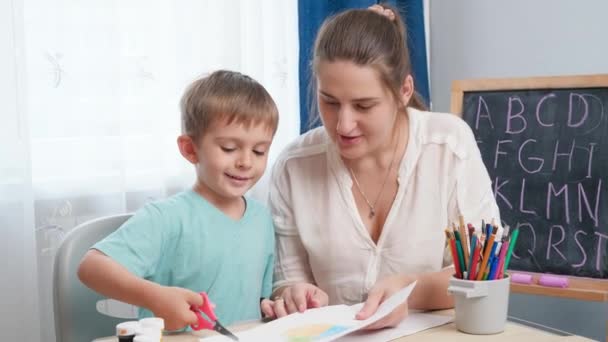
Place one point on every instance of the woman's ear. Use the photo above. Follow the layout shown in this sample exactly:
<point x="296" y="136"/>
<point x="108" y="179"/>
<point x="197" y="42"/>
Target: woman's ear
<point x="407" y="90"/>
<point x="187" y="148"/>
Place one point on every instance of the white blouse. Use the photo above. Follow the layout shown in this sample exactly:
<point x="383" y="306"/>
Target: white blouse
<point x="320" y="237"/>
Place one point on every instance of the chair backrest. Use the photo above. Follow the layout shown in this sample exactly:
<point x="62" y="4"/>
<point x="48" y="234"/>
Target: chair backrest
<point x="74" y="304"/>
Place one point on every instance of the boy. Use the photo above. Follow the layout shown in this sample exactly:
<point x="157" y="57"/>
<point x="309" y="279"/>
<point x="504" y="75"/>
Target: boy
<point x="210" y="238"/>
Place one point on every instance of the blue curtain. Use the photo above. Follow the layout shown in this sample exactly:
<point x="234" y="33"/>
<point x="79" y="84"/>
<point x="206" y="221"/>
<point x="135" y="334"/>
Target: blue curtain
<point x="311" y="15"/>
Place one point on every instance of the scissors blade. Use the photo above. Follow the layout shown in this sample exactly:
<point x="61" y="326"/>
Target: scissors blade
<point x="222" y="330"/>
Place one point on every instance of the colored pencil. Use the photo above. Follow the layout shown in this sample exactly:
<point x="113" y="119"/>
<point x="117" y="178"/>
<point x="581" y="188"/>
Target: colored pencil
<point x="512" y="240"/>
<point x="490" y="261"/>
<point x="493" y="269"/>
<point x="486" y="272"/>
<point x="454" y="253"/>
<point x="476" y="251"/>
<point x="464" y="240"/>
<point x="473" y="243"/>
<point x="501" y="259"/>
<point x="460" y="257"/>
<point x="471" y="234"/>
<point x="486" y="254"/>
<point x="503" y="252"/>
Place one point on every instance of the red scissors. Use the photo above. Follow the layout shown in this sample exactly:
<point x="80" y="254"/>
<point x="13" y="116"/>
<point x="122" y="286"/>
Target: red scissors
<point x="211" y="321"/>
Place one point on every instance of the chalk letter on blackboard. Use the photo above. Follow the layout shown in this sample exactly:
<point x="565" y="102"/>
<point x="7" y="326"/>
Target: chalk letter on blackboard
<point x="582" y="197"/>
<point x="569" y="154"/>
<point x="600" y="250"/>
<point x="479" y="115"/>
<point x="564" y="189"/>
<point x="540" y="122"/>
<point x="591" y="147"/>
<point x="520" y="226"/>
<point x="510" y="116"/>
<point x="521" y="163"/>
<point x="578" y="243"/>
<point x="521" y="199"/>
<point x="553" y="245"/>
<point x="497" y="192"/>
<point x="498" y="151"/>
<point x="585" y="110"/>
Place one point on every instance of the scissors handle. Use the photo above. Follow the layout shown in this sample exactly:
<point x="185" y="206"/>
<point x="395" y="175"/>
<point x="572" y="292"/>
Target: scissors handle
<point x="207" y="309"/>
<point x="211" y="323"/>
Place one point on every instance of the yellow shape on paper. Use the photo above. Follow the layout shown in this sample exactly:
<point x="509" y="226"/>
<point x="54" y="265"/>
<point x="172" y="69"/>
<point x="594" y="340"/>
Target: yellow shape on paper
<point x="309" y="330"/>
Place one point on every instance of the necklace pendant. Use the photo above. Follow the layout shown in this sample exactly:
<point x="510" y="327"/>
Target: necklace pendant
<point x="372" y="213"/>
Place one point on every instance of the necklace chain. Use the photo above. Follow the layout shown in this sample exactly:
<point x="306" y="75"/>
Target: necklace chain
<point x="372" y="207"/>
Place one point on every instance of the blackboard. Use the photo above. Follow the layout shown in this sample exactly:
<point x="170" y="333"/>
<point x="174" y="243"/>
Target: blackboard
<point x="544" y="142"/>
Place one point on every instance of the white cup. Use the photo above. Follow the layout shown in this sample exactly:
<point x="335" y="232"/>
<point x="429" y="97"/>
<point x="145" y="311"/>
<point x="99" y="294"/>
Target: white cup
<point x="480" y="306"/>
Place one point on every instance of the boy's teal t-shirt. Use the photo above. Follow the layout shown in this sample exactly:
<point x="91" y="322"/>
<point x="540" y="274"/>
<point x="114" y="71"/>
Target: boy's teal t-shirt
<point x="187" y="242"/>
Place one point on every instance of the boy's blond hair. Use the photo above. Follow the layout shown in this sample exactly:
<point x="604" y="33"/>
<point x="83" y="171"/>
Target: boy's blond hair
<point x="226" y="95"/>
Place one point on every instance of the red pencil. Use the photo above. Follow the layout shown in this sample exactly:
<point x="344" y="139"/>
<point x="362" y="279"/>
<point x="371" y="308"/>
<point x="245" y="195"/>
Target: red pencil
<point x="473" y="269"/>
<point x="452" y="243"/>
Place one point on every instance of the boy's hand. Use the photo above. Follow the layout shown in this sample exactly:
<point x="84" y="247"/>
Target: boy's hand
<point x="267" y="307"/>
<point x="173" y="305"/>
<point x="297" y="298"/>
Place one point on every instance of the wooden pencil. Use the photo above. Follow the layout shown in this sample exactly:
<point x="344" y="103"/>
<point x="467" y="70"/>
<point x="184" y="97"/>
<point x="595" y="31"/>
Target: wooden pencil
<point x="486" y="253"/>
<point x="464" y="240"/>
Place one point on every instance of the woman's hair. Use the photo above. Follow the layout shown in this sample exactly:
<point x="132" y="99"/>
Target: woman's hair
<point x="366" y="38"/>
<point x="226" y="95"/>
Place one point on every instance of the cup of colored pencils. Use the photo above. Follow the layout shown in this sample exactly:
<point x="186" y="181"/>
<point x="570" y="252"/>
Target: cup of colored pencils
<point x="480" y="284"/>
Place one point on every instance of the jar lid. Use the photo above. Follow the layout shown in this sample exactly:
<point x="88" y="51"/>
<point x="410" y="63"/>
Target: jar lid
<point x="151" y="331"/>
<point x="129" y="328"/>
<point x="155" y="322"/>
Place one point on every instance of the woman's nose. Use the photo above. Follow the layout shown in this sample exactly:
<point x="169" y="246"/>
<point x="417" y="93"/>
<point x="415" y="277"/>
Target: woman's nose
<point x="346" y="121"/>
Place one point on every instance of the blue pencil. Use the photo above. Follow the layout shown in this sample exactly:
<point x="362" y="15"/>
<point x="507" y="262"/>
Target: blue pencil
<point x="491" y="261"/>
<point x="488" y="229"/>
<point x="488" y="232"/>
<point x="493" y="270"/>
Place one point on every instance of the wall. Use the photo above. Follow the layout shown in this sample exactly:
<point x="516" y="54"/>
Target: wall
<point x="515" y="38"/>
<point x="520" y="38"/>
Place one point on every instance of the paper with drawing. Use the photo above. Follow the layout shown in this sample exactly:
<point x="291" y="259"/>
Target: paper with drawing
<point x="321" y="324"/>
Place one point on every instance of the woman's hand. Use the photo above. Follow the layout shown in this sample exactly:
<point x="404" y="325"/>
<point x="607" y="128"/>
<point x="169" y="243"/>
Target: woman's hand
<point x="382" y="290"/>
<point x="294" y="298"/>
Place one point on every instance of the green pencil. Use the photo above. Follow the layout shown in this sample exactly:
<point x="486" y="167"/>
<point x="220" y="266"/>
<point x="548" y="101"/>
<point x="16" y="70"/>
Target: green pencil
<point x="460" y="256"/>
<point x="512" y="241"/>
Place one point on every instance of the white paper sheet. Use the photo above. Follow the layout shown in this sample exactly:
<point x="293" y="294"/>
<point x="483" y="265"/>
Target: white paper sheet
<point x="415" y="322"/>
<point x="321" y="325"/>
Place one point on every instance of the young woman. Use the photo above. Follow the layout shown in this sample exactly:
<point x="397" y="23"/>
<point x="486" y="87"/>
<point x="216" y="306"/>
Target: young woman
<point x="361" y="203"/>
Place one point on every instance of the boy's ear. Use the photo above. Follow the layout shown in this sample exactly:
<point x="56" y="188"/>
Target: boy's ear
<point x="187" y="148"/>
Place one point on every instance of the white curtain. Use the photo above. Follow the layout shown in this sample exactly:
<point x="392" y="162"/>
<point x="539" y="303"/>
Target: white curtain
<point x="89" y="116"/>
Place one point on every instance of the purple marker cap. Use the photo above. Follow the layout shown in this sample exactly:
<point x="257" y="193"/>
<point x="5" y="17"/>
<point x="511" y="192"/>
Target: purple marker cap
<point x="553" y="281"/>
<point x="521" y="278"/>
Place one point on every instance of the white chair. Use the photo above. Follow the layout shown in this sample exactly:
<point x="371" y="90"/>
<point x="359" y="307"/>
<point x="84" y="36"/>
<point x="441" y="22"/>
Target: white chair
<point x="75" y="306"/>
